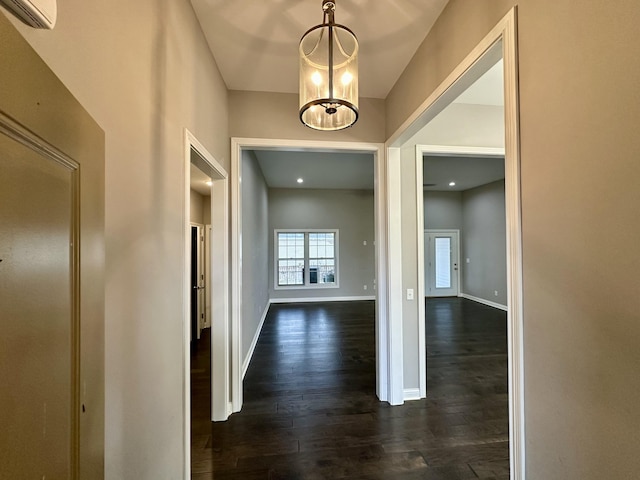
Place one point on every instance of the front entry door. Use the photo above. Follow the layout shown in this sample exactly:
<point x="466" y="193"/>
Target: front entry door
<point x="441" y="263"/>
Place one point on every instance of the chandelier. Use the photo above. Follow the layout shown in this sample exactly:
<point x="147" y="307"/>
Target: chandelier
<point x="329" y="74"/>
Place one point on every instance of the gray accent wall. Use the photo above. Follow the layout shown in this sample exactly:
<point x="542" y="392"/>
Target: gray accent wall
<point x="484" y="243"/>
<point x="255" y="291"/>
<point x="349" y="211"/>
<point x="442" y="210"/>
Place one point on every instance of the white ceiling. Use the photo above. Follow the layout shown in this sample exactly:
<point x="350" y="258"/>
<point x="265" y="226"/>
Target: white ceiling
<point x="255" y="42"/>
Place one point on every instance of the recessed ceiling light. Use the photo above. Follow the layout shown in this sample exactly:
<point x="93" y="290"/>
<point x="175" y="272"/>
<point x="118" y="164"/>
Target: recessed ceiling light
<point x="300" y="180"/>
<point x="209" y="183"/>
<point x="452" y="184"/>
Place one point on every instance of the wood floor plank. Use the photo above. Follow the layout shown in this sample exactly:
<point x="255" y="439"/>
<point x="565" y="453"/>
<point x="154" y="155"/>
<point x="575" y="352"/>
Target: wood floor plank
<point x="310" y="410"/>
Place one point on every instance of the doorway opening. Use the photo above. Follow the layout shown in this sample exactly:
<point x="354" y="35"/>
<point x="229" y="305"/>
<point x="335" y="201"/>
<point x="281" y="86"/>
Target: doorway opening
<point x="241" y="147"/>
<point x="500" y="43"/>
<point x="205" y="278"/>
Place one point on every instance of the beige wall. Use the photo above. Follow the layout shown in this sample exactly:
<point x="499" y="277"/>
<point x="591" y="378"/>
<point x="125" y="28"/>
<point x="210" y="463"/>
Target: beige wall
<point x="275" y="115"/>
<point x="143" y="71"/>
<point x="197" y="207"/>
<point x="206" y="213"/>
<point x="580" y="108"/>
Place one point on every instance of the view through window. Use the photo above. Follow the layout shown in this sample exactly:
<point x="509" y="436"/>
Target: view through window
<point x="306" y="258"/>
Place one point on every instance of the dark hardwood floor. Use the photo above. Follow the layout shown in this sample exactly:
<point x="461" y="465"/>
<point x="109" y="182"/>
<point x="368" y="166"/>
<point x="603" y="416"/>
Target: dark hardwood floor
<point x="310" y="410"/>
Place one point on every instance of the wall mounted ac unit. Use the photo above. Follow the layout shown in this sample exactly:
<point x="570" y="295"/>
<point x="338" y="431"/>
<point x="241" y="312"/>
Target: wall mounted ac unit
<point x="35" y="13"/>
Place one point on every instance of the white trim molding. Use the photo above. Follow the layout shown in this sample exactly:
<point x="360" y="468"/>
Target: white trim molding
<point x="218" y="289"/>
<point x="394" y="293"/>
<point x="460" y="151"/>
<point x="422" y="324"/>
<point x="411" y="394"/>
<point x="489" y="303"/>
<point x="515" y="323"/>
<point x="500" y="42"/>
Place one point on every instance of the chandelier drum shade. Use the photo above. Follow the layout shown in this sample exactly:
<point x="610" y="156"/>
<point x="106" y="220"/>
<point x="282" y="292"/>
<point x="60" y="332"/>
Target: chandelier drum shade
<point x="329" y="74"/>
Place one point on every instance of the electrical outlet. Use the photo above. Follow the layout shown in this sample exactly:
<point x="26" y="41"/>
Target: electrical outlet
<point x="409" y="293"/>
<point x="365" y="287"/>
<point x="495" y="293"/>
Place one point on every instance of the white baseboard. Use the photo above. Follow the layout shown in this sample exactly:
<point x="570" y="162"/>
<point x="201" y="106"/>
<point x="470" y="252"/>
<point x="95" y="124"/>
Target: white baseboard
<point x="321" y="299"/>
<point x="411" y="394"/>
<point x="484" y="302"/>
<point x="254" y="342"/>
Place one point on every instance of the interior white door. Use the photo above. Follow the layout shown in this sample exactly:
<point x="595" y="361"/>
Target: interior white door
<point x="441" y="263"/>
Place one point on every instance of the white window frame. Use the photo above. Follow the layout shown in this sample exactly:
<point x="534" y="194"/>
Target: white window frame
<point x="307" y="271"/>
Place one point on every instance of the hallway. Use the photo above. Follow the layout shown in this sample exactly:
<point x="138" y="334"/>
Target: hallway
<point x="310" y="410"/>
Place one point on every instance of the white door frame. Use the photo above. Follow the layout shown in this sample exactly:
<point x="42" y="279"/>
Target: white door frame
<point x="388" y="386"/>
<point x="218" y="288"/>
<point x="441" y="231"/>
<point x="501" y="39"/>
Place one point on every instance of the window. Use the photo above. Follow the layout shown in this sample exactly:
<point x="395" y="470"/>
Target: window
<point x="290" y="258"/>
<point x="306" y="258"/>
